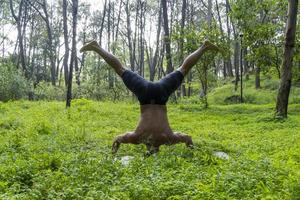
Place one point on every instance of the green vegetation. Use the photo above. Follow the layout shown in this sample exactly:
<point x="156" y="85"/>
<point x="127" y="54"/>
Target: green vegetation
<point x="12" y="84"/>
<point x="50" y="152"/>
<point x="54" y="153"/>
<point x="266" y="95"/>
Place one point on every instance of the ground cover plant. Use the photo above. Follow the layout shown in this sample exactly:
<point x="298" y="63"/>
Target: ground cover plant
<point x="48" y="152"/>
<point x="240" y="103"/>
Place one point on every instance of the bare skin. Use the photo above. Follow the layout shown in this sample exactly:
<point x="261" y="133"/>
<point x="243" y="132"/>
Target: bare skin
<point x="153" y="128"/>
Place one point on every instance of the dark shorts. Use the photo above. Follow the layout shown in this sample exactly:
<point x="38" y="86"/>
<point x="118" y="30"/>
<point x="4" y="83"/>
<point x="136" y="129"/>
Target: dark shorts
<point x="152" y="92"/>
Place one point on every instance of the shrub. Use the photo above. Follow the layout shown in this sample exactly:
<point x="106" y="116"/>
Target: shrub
<point x="45" y="91"/>
<point x="13" y="84"/>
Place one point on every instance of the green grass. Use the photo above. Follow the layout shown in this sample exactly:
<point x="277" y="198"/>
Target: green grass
<point x="48" y="152"/>
<point x="267" y="94"/>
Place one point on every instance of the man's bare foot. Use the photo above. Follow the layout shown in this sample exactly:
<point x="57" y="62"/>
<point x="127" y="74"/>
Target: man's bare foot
<point x="90" y="46"/>
<point x="210" y="45"/>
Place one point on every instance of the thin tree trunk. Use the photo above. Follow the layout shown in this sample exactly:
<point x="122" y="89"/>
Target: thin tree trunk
<point x="167" y="37"/>
<point x="50" y="50"/>
<point x="66" y="41"/>
<point x="129" y="35"/>
<point x="154" y="61"/>
<point x="110" y="74"/>
<point x="141" y="38"/>
<point x="102" y="23"/>
<point x="74" y="51"/>
<point x="236" y="63"/>
<point x="182" y="25"/>
<point x="229" y="64"/>
<point x="50" y="44"/>
<point x="20" y="36"/>
<point x="257" y="77"/>
<point x="223" y="37"/>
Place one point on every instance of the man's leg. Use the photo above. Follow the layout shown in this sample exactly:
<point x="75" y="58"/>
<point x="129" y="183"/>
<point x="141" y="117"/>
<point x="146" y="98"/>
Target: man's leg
<point x="112" y="60"/>
<point x="181" y="138"/>
<point x="193" y="58"/>
<point x="126" y="138"/>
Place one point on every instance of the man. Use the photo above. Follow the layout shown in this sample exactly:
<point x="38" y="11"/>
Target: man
<point x="153" y="128"/>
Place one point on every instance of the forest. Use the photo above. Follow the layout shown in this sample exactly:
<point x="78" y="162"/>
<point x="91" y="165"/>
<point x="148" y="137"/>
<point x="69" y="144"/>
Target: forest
<point x="62" y="110"/>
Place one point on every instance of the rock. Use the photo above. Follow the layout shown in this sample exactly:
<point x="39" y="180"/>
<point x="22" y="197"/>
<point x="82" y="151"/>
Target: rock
<point x="221" y="154"/>
<point x="125" y="160"/>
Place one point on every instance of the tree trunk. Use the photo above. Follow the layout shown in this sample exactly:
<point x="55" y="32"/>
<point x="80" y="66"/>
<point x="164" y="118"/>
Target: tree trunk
<point x="167" y="37"/>
<point x="50" y="43"/>
<point x="236" y="63"/>
<point x="66" y="41"/>
<point x="110" y="74"/>
<point x="182" y="24"/>
<point x="20" y="35"/>
<point x="129" y="35"/>
<point x="50" y="51"/>
<point x="190" y="77"/>
<point x="286" y="69"/>
<point x="257" y="77"/>
<point x="102" y="23"/>
<point x="153" y="62"/>
<point x="246" y="63"/>
<point x="73" y="53"/>
<point x="223" y="37"/>
<point x="141" y="38"/>
<point x="228" y="63"/>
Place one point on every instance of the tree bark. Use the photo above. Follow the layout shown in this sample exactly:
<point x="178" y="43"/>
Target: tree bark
<point x="74" y="60"/>
<point x="66" y="41"/>
<point x="17" y="18"/>
<point x="129" y="35"/>
<point x="154" y="61"/>
<point x="50" y="43"/>
<point x="167" y="37"/>
<point x="102" y="23"/>
<point x="257" y="77"/>
<point x="222" y="36"/>
<point x="229" y="64"/>
<point x="109" y="31"/>
<point x="141" y="38"/>
<point x="286" y="69"/>
<point x="236" y="63"/>
<point x="181" y="42"/>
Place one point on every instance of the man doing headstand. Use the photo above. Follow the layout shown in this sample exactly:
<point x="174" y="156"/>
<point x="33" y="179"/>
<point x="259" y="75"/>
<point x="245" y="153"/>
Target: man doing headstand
<point x="153" y="128"/>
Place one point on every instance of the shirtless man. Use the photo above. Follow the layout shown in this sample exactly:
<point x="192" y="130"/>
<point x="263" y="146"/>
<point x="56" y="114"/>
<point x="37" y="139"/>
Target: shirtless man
<point x="153" y="128"/>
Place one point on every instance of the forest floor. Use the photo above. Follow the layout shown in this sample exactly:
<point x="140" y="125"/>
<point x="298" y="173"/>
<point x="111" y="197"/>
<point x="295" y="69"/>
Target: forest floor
<point x="48" y="152"/>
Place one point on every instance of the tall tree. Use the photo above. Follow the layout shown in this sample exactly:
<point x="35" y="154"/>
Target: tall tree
<point x="229" y="64"/>
<point x="74" y="60"/>
<point x="154" y="60"/>
<point x="129" y="36"/>
<point x="142" y="8"/>
<point x="66" y="41"/>
<point x="167" y="39"/>
<point x="223" y="37"/>
<point x="51" y="49"/>
<point x="18" y="18"/>
<point x="286" y="69"/>
<point x="181" y="42"/>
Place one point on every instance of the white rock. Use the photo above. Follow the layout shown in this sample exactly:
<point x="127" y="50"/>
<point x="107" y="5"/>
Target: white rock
<point x="221" y="154"/>
<point x="125" y="160"/>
